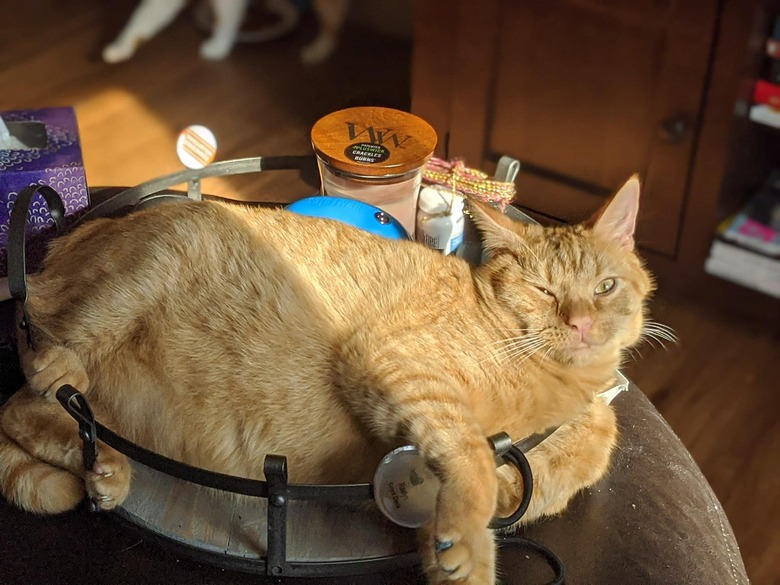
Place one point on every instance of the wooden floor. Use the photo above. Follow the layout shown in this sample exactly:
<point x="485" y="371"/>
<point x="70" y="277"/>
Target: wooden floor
<point x="718" y="387"/>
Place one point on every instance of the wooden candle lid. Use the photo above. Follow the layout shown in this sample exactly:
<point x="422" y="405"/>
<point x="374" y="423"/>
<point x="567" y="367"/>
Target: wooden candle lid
<point x="373" y="141"/>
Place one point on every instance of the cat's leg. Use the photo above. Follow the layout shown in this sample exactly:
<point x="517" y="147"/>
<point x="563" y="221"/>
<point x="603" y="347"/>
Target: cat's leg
<point x="228" y="15"/>
<point x="331" y="15"/>
<point x="576" y="456"/>
<point x="483" y="571"/>
<point x="51" y="367"/>
<point x="34" y="485"/>
<point x="424" y="406"/>
<point x="47" y="433"/>
<point x="148" y="19"/>
<point x="460" y="547"/>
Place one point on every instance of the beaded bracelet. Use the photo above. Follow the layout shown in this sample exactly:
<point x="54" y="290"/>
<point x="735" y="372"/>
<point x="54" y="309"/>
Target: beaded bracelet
<point x="468" y="181"/>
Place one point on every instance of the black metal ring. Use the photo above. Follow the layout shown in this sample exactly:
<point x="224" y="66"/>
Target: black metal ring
<point x="517" y="458"/>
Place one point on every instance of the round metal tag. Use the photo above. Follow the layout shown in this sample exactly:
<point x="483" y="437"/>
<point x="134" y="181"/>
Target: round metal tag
<point x="196" y="147"/>
<point x="405" y="489"/>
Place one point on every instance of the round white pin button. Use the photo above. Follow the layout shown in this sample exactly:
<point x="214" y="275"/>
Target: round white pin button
<point x="196" y="147"/>
<point x="405" y="489"/>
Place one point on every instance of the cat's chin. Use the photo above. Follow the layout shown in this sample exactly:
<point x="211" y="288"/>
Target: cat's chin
<point x="583" y="354"/>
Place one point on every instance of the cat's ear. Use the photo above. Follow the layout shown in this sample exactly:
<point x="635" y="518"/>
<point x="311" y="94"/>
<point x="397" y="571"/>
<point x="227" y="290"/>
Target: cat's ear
<point x="498" y="231"/>
<point x="616" y="221"/>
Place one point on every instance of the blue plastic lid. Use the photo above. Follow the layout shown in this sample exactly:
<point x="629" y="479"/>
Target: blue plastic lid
<point x="353" y="212"/>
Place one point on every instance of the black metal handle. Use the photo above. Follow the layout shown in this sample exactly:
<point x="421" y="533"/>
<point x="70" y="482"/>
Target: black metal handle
<point x="511" y="453"/>
<point x="78" y="407"/>
<point x="17" y="263"/>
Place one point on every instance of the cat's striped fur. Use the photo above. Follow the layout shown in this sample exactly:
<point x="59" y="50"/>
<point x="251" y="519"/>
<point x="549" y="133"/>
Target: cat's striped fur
<point x="216" y="333"/>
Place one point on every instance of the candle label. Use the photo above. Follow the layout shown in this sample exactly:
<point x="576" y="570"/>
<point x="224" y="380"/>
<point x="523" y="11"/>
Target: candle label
<point x="367" y="153"/>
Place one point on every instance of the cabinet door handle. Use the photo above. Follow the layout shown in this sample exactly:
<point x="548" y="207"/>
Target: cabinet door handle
<point x="675" y="129"/>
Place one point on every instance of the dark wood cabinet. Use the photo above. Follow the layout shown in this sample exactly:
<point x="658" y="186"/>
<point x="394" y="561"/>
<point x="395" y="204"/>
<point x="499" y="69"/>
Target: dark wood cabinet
<point x="586" y="93"/>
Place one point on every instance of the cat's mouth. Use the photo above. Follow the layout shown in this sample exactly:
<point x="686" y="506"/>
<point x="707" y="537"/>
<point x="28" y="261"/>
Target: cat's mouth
<point x="582" y="348"/>
<point x="584" y="345"/>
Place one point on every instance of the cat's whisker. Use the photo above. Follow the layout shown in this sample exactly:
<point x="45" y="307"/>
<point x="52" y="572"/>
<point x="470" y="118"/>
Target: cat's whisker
<point x="518" y="343"/>
<point x="661" y="334"/>
<point x="653" y="331"/>
<point x="660" y="330"/>
<point x="507" y="356"/>
<point x="515" y="343"/>
<point x="634" y="353"/>
<point x="520" y="357"/>
<point x="648" y="339"/>
<point x="514" y="347"/>
<point x="547" y="354"/>
<point x="519" y="334"/>
<point x="650" y="336"/>
<point x="510" y="353"/>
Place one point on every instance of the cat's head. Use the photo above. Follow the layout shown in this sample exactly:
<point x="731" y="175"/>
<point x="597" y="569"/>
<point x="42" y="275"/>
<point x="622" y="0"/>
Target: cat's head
<point x="575" y="293"/>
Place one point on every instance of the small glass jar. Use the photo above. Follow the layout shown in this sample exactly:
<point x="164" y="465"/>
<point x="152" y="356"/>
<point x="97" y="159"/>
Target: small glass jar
<point x="375" y="155"/>
<point x="440" y="219"/>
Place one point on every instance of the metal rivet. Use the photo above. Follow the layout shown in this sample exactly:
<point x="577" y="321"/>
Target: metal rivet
<point x="276" y="570"/>
<point x="278" y="500"/>
<point x="382" y="217"/>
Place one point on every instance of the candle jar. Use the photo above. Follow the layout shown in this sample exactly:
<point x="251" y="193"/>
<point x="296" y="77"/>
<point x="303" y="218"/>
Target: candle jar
<point x="375" y="155"/>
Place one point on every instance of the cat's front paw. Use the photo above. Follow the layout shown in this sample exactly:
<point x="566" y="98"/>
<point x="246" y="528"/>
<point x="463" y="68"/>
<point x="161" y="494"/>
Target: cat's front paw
<point x="215" y="49"/>
<point x="318" y="51"/>
<point x="463" y="545"/>
<point x="108" y="483"/>
<point x="118" y="52"/>
<point x="463" y="557"/>
<point x="49" y="369"/>
<point x="510" y="491"/>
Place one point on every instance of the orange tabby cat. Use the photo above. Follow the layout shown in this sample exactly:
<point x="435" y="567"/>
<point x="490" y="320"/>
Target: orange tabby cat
<point x="215" y="333"/>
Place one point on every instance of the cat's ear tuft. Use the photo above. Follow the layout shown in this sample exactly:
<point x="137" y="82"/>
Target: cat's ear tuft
<point x="498" y="231"/>
<point x="616" y="221"/>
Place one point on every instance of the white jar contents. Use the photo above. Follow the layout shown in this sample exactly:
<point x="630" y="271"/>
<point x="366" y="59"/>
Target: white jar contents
<point x="440" y="219"/>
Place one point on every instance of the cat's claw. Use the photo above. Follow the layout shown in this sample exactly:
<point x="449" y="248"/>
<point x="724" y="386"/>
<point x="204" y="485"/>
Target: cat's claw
<point x="109" y="481"/>
<point x="460" y="558"/>
<point x="463" y="547"/>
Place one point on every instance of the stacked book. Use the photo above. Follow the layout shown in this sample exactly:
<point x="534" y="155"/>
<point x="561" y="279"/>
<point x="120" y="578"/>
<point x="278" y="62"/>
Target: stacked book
<point x="747" y="247"/>
<point x="766" y="94"/>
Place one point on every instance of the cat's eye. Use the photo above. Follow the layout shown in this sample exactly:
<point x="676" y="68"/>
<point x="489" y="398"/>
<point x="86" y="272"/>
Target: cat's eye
<point x="545" y="291"/>
<point x="605" y="286"/>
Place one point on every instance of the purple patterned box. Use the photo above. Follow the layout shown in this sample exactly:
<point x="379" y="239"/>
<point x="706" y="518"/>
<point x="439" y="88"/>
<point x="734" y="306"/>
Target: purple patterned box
<point x="42" y="149"/>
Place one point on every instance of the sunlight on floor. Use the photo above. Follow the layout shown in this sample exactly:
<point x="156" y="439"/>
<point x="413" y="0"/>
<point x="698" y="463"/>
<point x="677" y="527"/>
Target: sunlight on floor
<point x="116" y="121"/>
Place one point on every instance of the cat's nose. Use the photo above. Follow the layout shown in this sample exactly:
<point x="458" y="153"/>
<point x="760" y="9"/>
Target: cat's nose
<point x="581" y="324"/>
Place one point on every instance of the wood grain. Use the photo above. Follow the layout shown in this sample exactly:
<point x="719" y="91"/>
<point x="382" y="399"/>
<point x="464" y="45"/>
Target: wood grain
<point x="579" y="92"/>
<point x="718" y="387"/>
